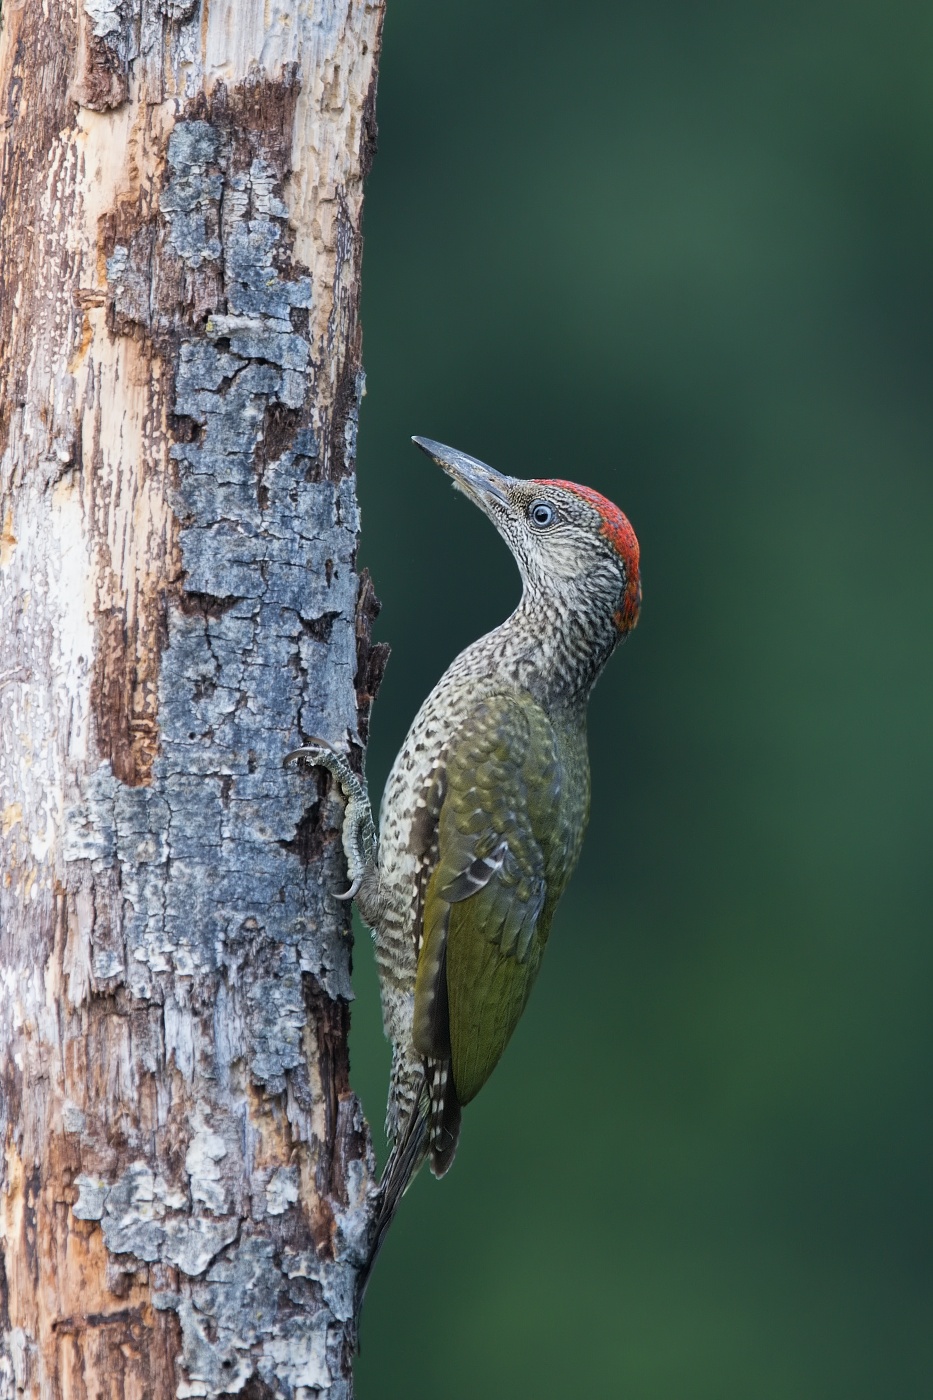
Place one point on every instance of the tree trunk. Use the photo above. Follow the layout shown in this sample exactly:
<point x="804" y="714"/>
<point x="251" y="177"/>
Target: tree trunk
<point x="185" y="1174"/>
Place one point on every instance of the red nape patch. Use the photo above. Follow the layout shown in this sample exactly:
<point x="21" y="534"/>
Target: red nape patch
<point x="620" y="534"/>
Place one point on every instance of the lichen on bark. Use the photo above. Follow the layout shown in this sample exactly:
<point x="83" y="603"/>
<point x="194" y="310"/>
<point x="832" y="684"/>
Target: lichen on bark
<point x="186" y="1173"/>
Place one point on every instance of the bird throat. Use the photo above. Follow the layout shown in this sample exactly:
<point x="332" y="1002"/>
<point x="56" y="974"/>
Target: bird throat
<point x="554" y="650"/>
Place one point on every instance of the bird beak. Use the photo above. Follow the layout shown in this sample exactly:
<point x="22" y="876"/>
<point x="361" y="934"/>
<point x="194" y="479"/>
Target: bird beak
<point x="470" y="476"/>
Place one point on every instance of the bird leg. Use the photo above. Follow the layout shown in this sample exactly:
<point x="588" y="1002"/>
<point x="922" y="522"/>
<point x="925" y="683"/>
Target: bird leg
<point x="359" y="832"/>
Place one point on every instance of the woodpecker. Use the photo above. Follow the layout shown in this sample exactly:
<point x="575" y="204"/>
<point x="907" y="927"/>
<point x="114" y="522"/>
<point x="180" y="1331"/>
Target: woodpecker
<point x="484" y="810"/>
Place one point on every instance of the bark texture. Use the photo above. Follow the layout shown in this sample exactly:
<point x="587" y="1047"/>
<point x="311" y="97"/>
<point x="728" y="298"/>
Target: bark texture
<point x="185" y="1174"/>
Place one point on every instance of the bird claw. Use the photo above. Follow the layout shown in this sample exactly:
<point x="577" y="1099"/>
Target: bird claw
<point x="353" y="891"/>
<point x="308" y="751"/>
<point x="359" y="837"/>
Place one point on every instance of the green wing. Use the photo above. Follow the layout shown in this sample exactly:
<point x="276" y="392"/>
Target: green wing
<point x="503" y="856"/>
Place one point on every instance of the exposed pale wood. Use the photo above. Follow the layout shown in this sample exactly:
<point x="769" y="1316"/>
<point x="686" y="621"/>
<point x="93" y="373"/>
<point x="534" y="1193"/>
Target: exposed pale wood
<point x="185" y="1172"/>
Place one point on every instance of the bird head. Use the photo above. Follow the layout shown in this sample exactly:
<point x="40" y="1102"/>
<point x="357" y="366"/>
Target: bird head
<point x="571" y="544"/>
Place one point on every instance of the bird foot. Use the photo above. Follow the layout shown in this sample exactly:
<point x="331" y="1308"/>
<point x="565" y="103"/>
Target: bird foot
<point x="359" y="832"/>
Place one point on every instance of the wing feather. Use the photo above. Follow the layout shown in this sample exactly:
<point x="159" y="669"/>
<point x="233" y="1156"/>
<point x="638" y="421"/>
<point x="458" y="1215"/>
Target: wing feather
<point x="486" y="906"/>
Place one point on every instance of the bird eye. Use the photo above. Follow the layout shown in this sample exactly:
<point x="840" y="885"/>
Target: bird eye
<point x="541" y="514"/>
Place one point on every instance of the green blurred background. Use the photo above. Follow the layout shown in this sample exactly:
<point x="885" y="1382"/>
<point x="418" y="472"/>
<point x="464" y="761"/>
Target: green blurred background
<point x="684" y="253"/>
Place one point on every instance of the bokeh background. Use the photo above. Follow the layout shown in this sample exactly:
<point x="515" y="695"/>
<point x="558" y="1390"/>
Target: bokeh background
<point x="683" y="253"/>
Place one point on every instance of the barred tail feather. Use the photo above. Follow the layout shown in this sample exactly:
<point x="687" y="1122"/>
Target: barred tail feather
<point x="432" y="1130"/>
<point x="444" y="1122"/>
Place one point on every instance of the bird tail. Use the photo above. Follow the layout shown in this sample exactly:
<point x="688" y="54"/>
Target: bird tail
<point x="432" y="1130"/>
<point x="401" y="1169"/>
<point x="444" y="1117"/>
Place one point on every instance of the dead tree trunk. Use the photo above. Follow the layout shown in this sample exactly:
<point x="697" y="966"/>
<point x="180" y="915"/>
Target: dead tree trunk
<point x="184" y="1170"/>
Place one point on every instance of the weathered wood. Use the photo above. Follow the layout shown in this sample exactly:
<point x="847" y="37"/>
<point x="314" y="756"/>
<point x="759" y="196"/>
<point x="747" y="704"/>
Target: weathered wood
<point x="185" y="1172"/>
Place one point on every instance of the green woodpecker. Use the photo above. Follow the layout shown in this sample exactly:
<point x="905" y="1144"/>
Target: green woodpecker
<point x="483" y="814"/>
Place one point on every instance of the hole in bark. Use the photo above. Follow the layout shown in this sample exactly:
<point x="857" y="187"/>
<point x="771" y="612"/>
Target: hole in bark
<point x="308" y="841"/>
<point x="207" y="604"/>
<point x="255" y="1389"/>
<point x="279" y="427"/>
<point x="184" y="429"/>
<point x="320" y="628"/>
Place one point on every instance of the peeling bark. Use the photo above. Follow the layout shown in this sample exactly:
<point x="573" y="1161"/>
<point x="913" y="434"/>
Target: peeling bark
<point x="186" y="1175"/>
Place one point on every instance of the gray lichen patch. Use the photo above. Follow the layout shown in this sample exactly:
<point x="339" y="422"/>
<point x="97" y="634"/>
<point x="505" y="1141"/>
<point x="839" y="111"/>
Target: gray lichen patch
<point x="242" y="1306"/>
<point x="130" y="1220"/>
<point x="144" y="1219"/>
<point x="107" y="17"/>
<point x="192" y="1244"/>
<point x="190" y="202"/>
<point x="282" y="1190"/>
<point x="92" y="1193"/>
